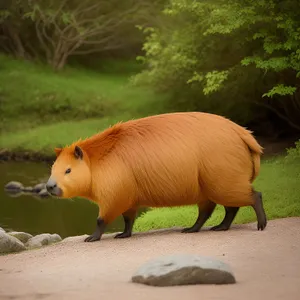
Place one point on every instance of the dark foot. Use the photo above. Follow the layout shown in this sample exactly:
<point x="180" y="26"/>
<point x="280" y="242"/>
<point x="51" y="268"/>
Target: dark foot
<point x="128" y="220"/>
<point x="259" y="210"/>
<point x="92" y="238"/>
<point x="230" y="213"/>
<point x="96" y="236"/>
<point x="205" y="212"/>
<point x="123" y="235"/>
<point x="194" y="228"/>
<point x="220" y="227"/>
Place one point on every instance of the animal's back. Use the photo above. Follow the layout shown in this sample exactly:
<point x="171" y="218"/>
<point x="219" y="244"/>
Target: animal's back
<point x="184" y="158"/>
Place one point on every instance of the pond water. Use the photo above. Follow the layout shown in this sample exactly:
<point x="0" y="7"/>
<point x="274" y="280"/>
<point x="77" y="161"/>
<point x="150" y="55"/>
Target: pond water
<point x="45" y="215"/>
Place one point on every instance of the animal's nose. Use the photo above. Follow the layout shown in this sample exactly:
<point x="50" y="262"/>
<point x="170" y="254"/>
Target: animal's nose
<point x="50" y="185"/>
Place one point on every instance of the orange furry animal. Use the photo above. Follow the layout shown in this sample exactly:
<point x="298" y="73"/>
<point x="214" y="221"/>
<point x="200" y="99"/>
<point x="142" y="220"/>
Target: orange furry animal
<point x="164" y="160"/>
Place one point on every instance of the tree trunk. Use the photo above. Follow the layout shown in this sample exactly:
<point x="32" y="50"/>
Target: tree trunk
<point x="19" y="50"/>
<point x="59" y="60"/>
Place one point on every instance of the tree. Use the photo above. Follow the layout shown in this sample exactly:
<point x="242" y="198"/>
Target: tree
<point x="73" y="27"/>
<point x="229" y="49"/>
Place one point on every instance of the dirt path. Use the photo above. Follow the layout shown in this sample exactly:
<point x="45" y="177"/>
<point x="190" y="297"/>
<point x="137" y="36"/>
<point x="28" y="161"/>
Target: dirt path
<point x="266" y="265"/>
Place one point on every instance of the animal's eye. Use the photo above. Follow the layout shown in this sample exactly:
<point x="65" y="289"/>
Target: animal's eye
<point x="68" y="171"/>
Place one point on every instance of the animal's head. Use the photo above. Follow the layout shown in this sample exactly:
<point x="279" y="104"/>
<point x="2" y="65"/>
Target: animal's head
<point x="70" y="173"/>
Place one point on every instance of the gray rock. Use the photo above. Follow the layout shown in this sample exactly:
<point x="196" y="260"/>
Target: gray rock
<point x="14" y="185"/>
<point x="77" y="238"/>
<point x="22" y="236"/>
<point x="28" y="189"/>
<point x="44" y="193"/>
<point x="9" y="244"/>
<point x="41" y="240"/>
<point x="184" y="270"/>
<point x="2" y="230"/>
<point x="55" y="238"/>
<point x="38" y="187"/>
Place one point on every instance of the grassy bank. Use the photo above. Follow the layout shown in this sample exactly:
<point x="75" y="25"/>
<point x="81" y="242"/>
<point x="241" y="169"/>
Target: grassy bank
<point x="278" y="181"/>
<point x="57" y="108"/>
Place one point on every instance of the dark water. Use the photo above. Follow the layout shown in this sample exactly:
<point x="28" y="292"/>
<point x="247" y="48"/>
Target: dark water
<point x="45" y="215"/>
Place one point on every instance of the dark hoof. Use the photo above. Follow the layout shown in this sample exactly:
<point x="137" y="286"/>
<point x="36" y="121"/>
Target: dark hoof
<point x="123" y="235"/>
<point x="189" y="230"/>
<point x="220" y="228"/>
<point x="92" y="238"/>
<point x="261" y="224"/>
<point x="260" y="212"/>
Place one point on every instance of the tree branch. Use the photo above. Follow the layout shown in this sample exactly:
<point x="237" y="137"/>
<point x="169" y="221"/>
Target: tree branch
<point x="109" y="21"/>
<point x="41" y="39"/>
<point x="97" y="50"/>
<point x="279" y="114"/>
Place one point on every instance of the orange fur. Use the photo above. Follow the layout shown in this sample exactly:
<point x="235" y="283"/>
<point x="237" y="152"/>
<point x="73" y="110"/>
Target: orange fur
<point x="164" y="160"/>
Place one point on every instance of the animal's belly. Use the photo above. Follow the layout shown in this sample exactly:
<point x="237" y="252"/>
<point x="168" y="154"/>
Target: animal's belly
<point x="169" y="199"/>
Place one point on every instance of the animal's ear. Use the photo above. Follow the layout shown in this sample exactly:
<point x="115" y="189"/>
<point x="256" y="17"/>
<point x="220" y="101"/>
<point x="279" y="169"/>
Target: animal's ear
<point x="57" y="151"/>
<point x="78" y="152"/>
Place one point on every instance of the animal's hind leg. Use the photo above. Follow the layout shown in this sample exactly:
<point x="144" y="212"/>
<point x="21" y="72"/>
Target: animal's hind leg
<point x="205" y="210"/>
<point x="259" y="210"/>
<point x="129" y="218"/>
<point x="230" y="213"/>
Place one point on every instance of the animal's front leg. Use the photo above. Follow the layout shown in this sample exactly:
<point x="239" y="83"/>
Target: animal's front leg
<point x="96" y="236"/>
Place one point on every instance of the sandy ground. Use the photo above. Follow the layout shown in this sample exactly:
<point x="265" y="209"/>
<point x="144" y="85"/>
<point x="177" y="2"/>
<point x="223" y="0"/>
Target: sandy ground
<point x="266" y="265"/>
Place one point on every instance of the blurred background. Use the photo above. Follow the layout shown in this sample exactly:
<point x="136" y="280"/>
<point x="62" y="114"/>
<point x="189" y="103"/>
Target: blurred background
<point x="71" y="68"/>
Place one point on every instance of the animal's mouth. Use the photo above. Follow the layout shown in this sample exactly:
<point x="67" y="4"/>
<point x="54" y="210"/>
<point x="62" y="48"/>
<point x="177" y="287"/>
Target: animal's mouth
<point x="56" y="191"/>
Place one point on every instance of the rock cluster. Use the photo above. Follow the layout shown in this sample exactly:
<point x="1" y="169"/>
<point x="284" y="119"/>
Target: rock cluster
<point x="184" y="270"/>
<point x="15" y="188"/>
<point x="19" y="241"/>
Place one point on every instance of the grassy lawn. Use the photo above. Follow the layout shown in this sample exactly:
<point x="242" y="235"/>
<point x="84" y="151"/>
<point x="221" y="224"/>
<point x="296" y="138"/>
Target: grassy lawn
<point x="278" y="181"/>
<point x="56" y="108"/>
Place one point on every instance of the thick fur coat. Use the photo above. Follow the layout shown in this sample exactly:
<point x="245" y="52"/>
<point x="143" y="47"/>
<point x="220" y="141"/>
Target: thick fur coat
<point x="164" y="160"/>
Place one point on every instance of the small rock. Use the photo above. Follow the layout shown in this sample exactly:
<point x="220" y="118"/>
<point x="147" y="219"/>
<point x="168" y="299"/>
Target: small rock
<point x="10" y="244"/>
<point x="22" y="236"/>
<point x="55" y="238"/>
<point x="44" y="193"/>
<point x="14" y="185"/>
<point x="38" y="187"/>
<point x="77" y="238"/>
<point x="42" y="240"/>
<point x="184" y="270"/>
<point x="28" y="189"/>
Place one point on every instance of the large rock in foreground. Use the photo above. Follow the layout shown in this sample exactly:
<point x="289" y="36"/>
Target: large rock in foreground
<point x="10" y="244"/>
<point x="184" y="270"/>
<point x="43" y="239"/>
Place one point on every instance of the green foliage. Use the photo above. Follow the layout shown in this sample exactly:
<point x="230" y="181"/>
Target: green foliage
<point x="213" y="80"/>
<point x="293" y="154"/>
<point x="281" y="90"/>
<point x="203" y="45"/>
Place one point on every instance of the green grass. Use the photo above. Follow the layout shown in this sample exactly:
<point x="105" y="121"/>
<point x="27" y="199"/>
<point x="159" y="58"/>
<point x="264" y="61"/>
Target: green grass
<point x="32" y="95"/>
<point x="278" y="181"/>
<point x="43" y="139"/>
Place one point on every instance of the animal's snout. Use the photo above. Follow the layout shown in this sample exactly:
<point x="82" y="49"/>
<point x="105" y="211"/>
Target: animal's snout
<point x="52" y="188"/>
<point x="51" y="185"/>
